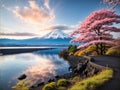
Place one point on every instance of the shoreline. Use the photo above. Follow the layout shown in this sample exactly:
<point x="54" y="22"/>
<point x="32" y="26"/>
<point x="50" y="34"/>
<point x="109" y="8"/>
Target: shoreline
<point x="92" y="69"/>
<point x="73" y="60"/>
<point x="9" y="51"/>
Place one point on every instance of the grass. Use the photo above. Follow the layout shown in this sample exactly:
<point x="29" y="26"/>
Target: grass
<point x="75" y="79"/>
<point x="50" y="86"/>
<point x="93" y="82"/>
<point x="22" y="85"/>
<point x="87" y="50"/>
<point x="113" y="51"/>
<point x="61" y="88"/>
<point x="62" y="82"/>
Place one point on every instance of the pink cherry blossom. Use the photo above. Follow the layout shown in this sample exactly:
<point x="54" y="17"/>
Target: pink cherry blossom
<point x="112" y="3"/>
<point x="96" y="28"/>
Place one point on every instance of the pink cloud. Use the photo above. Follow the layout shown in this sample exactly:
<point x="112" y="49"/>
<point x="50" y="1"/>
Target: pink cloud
<point x="35" y="13"/>
<point x="47" y="4"/>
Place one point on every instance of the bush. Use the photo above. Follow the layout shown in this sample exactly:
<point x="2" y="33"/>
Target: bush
<point x="72" y="49"/>
<point x="50" y="86"/>
<point x="88" y="50"/>
<point x="62" y="82"/>
<point x="113" y="51"/>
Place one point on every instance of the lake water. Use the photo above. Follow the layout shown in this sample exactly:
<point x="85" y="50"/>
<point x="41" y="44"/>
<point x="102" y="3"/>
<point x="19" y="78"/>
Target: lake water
<point x="38" y="66"/>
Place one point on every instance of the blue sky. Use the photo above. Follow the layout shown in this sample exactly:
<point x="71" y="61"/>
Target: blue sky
<point x="34" y="18"/>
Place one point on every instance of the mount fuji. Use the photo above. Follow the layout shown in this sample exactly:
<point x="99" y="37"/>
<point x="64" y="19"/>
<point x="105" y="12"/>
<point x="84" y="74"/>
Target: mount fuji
<point x="56" y="34"/>
<point x="55" y="37"/>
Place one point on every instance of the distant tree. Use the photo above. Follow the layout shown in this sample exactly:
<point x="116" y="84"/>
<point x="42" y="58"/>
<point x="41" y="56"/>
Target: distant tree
<point x="96" y="29"/>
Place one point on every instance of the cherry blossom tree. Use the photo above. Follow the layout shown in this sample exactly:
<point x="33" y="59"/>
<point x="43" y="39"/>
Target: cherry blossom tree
<point x="96" y="29"/>
<point x="113" y="3"/>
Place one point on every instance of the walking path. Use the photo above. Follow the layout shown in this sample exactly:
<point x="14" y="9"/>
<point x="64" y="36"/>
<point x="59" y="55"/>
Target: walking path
<point x="114" y="63"/>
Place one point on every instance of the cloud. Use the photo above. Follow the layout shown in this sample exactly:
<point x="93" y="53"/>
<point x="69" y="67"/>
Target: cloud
<point x="17" y="34"/>
<point x="34" y="13"/>
<point x="58" y="27"/>
<point x="46" y="4"/>
<point x="42" y="71"/>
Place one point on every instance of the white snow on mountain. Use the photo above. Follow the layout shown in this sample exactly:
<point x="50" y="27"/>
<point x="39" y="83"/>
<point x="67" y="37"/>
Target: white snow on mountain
<point x="55" y="34"/>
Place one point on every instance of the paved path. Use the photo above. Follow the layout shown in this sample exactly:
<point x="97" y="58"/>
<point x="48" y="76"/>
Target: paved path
<point x="114" y="63"/>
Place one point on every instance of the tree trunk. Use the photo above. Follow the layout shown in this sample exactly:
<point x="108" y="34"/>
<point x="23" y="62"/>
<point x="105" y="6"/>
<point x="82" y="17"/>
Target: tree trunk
<point x="97" y="49"/>
<point x="101" y="49"/>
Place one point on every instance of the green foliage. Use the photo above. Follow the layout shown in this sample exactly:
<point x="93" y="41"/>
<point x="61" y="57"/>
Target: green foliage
<point x="88" y="50"/>
<point x="50" y="86"/>
<point x="72" y="49"/>
<point x="75" y="79"/>
<point x="113" y="51"/>
<point x="61" y="88"/>
<point x="22" y="85"/>
<point x="62" y="82"/>
<point x="63" y="53"/>
<point x="93" y="82"/>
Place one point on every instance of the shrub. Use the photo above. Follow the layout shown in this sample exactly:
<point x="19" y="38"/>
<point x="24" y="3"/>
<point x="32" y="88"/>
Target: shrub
<point x="62" y="82"/>
<point x="50" y="86"/>
<point x="72" y="49"/>
<point x="113" y="51"/>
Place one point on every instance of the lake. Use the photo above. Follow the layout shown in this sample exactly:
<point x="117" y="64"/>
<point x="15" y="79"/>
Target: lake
<point x="38" y="66"/>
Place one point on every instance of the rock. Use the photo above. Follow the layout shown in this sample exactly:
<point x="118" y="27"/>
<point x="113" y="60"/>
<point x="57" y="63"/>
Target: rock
<point x="32" y="87"/>
<point x="67" y="75"/>
<point x="57" y="76"/>
<point x="40" y="84"/>
<point x="92" y="60"/>
<point x="70" y="68"/>
<point x="22" y="77"/>
<point x="51" y="80"/>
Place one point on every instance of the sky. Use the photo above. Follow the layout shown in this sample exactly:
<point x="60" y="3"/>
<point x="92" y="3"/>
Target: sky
<point x="21" y="19"/>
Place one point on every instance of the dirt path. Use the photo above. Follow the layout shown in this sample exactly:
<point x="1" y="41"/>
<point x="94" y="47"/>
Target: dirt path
<point x="114" y="63"/>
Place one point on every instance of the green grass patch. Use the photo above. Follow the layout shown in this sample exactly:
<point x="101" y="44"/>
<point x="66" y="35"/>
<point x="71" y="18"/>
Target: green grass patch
<point x="22" y="85"/>
<point x="93" y="82"/>
<point x="85" y="51"/>
<point x="61" y="88"/>
<point x="62" y="82"/>
<point x="113" y="51"/>
<point x="50" y="86"/>
<point x="75" y="79"/>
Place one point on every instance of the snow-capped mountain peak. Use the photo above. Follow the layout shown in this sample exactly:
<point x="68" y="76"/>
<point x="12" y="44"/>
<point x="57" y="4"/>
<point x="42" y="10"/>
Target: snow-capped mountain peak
<point x="55" y="34"/>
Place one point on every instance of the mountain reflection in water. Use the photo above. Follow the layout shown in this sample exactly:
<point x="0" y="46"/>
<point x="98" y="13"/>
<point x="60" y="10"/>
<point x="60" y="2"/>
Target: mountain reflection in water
<point x="47" y="67"/>
<point x="38" y="66"/>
